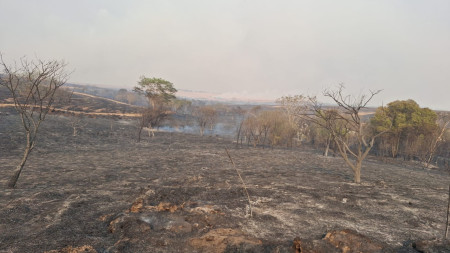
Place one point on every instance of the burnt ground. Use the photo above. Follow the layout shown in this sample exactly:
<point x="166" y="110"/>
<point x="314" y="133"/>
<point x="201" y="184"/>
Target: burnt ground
<point x="179" y="193"/>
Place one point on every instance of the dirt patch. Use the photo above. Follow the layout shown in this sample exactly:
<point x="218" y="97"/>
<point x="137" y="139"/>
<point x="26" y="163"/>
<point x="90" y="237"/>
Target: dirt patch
<point x="218" y="240"/>
<point x="342" y="241"/>
<point x="350" y="241"/>
<point x="173" y="220"/>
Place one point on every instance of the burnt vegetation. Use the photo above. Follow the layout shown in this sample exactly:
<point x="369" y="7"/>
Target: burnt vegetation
<point x="370" y="179"/>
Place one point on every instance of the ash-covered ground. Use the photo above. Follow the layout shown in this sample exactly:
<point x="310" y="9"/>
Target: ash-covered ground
<point x="179" y="192"/>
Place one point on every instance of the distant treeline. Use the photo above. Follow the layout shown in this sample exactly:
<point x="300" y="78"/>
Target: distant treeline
<point x="407" y="130"/>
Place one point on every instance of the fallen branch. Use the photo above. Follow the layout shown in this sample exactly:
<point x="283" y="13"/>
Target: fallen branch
<point x="242" y="181"/>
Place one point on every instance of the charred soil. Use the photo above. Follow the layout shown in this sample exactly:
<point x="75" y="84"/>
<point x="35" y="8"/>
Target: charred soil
<point x="179" y="193"/>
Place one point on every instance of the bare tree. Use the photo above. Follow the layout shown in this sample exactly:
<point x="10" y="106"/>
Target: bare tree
<point x="205" y="116"/>
<point x="151" y="117"/>
<point x="293" y="107"/>
<point x="240" y="117"/>
<point x="33" y="85"/>
<point x="76" y="121"/>
<point x="252" y="129"/>
<point x="353" y="137"/>
<point x="437" y="137"/>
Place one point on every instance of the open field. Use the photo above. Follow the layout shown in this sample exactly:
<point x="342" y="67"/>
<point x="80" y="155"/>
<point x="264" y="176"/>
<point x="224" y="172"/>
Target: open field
<point x="179" y="193"/>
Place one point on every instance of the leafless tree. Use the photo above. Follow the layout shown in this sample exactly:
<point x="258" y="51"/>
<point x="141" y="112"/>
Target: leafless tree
<point x="150" y="118"/>
<point x="76" y="121"/>
<point x="205" y="116"/>
<point x="437" y="137"/>
<point x="252" y="129"/>
<point x="240" y="115"/>
<point x="293" y="107"/>
<point x="353" y="137"/>
<point x="33" y="85"/>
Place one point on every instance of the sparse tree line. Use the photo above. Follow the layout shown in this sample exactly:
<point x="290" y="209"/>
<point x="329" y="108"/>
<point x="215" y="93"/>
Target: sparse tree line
<point x="266" y="128"/>
<point x="400" y="129"/>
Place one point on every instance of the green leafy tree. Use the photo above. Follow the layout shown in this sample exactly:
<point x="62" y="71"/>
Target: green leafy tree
<point x="160" y="93"/>
<point x="408" y="126"/>
<point x="157" y="90"/>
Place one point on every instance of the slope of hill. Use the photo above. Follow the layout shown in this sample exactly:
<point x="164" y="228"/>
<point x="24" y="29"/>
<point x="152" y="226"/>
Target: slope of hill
<point x="183" y="94"/>
<point x="82" y="103"/>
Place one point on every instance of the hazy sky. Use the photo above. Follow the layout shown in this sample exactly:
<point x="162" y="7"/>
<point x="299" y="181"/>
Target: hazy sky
<point x="259" y="48"/>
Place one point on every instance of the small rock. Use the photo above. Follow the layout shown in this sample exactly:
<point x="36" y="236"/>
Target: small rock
<point x="179" y="226"/>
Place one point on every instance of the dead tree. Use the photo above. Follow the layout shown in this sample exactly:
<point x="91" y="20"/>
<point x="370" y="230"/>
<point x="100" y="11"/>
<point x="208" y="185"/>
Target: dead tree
<point x="150" y="118"/>
<point x="345" y="126"/>
<point x="239" y="113"/>
<point x="293" y="106"/>
<point x="205" y="116"/>
<point x="76" y="121"/>
<point x="437" y="138"/>
<point x="32" y="85"/>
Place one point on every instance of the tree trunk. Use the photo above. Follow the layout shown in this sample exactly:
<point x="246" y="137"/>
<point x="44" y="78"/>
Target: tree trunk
<point x="139" y="134"/>
<point x="357" y="173"/>
<point x="12" y="182"/>
<point x="150" y="131"/>
<point x="434" y="145"/>
<point x="395" y="147"/>
<point x="239" y="134"/>
<point x="264" y="140"/>
<point x="327" y="147"/>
